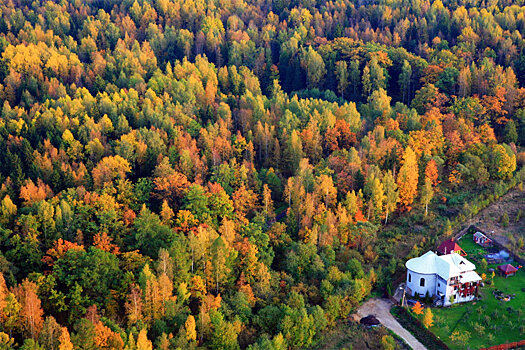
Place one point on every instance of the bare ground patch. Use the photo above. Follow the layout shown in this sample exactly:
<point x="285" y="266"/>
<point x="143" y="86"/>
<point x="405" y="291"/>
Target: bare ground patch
<point x="490" y="218"/>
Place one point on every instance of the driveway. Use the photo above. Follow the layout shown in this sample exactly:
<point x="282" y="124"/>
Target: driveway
<point x="380" y="308"/>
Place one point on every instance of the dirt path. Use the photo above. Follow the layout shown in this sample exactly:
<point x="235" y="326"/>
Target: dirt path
<point x="380" y="308"/>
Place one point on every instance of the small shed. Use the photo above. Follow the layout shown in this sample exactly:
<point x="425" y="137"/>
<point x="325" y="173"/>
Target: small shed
<point x="450" y="246"/>
<point x="482" y="240"/>
<point x="507" y="270"/>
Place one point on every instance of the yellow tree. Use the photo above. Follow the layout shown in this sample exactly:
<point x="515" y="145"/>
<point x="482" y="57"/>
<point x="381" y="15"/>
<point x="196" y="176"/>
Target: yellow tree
<point x="64" y="340"/>
<point x="408" y="178"/>
<point x="326" y="190"/>
<point x="3" y="296"/>
<point x="189" y="326"/>
<point x="134" y="305"/>
<point x="11" y="313"/>
<point x="6" y="342"/>
<point x="31" y="312"/>
<point x="7" y="210"/>
<point x="108" y="169"/>
<point x="152" y="305"/>
<point x="267" y="202"/>
<point x="428" y="318"/>
<point x="143" y="343"/>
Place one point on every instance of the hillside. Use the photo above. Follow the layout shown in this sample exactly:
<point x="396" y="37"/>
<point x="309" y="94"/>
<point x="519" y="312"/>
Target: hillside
<point x="240" y="174"/>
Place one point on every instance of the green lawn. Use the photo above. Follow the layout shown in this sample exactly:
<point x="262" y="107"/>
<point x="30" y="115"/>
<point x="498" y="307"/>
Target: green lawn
<point x="489" y="321"/>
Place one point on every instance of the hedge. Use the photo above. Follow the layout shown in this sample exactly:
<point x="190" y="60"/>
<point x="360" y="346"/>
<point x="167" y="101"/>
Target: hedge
<point x="414" y="326"/>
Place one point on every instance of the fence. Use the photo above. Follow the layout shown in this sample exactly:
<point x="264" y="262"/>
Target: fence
<point x="514" y="345"/>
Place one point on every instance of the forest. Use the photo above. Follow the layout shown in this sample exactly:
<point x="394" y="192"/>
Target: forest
<point x="240" y="174"/>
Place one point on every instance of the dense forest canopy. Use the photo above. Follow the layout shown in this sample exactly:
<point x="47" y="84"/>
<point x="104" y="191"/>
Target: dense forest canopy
<point x="226" y="174"/>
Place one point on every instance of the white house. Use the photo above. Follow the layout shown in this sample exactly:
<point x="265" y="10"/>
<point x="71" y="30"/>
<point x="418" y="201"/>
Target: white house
<point x="442" y="277"/>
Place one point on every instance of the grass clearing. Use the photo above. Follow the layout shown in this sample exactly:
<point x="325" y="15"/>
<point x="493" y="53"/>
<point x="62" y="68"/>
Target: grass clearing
<point x="487" y="321"/>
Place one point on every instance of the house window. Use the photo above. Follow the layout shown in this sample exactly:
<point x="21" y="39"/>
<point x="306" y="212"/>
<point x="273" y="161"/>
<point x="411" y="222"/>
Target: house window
<point x="422" y="282"/>
<point x="409" y="278"/>
<point x="439" y="285"/>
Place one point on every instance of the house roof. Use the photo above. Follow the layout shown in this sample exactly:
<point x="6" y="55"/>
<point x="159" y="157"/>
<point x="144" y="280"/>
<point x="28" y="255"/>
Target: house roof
<point x="507" y="268"/>
<point x="446" y="266"/>
<point x="425" y="264"/>
<point x="450" y="246"/>
<point x="480" y="235"/>
<point x="470" y="276"/>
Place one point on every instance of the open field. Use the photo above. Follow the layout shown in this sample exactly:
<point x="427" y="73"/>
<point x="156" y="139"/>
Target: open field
<point x="487" y="321"/>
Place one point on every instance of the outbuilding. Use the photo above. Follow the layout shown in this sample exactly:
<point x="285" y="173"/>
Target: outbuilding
<point x="482" y="240"/>
<point x="507" y="270"/>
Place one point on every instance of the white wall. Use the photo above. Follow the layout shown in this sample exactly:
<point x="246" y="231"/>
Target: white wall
<point x="414" y="284"/>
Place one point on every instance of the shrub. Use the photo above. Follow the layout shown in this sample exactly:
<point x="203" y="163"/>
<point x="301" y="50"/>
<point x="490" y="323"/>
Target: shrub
<point x="505" y="220"/>
<point x="388" y="342"/>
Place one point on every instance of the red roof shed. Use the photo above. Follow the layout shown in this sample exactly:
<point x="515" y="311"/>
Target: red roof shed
<point x="507" y="269"/>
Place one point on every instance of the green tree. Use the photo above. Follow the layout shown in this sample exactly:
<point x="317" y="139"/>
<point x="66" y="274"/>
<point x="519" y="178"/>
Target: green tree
<point x="355" y="77"/>
<point x="377" y="75"/>
<point x="196" y="201"/>
<point x="150" y="234"/>
<point x="379" y="104"/>
<point x="391" y="194"/>
<point x="405" y="78"/>
<point x="503" y="162"/>
<point x="366" y="81"/>
<point x="510" y="132"/>
<point x="341" y="71"/>
<point x="314" y="66"/>
<point x="224" y="334"/>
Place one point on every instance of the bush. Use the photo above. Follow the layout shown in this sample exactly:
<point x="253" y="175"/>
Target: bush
<point x="505" y="220"/>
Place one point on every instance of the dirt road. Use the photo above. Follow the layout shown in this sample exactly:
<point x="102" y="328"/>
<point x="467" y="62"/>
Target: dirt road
<point x="380" y="308"/>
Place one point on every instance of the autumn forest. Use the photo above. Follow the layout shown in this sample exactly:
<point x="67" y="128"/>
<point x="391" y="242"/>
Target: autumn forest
<point x="182" y="174"/>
